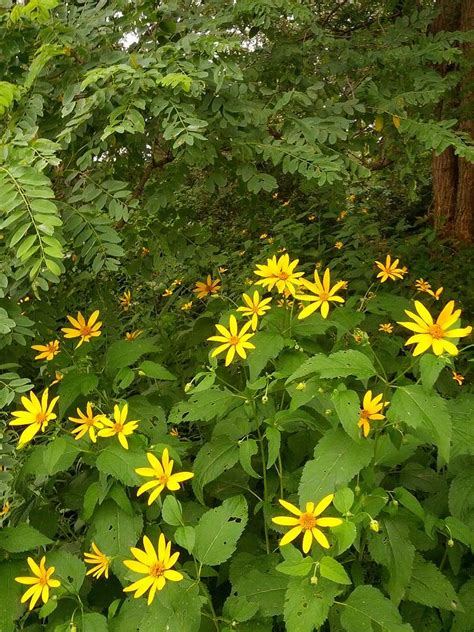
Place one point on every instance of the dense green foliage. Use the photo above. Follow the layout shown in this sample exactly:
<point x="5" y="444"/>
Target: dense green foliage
<point x="147" y="145"/>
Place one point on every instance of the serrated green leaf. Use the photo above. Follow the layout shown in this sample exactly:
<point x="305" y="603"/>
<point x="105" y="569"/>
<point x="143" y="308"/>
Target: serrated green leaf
<point x="430" y="587"/>
<point x="339" y="364"/>
<point x="212" y="460"/>
<point x="367" y="610"/>
<point x="307" y="605"/>
<point x="21" y="538"/>
<point x="333" y="570"/>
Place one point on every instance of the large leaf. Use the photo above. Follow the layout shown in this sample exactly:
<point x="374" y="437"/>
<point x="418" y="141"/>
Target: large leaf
<point x="212" y="460"/>
<point x="115" y="531"/>
<point x="426" y="414"/>
<point x="339" y="364"/>
<point x="11" y="591"/>
<point x="121" y="464"/>
<point x="430" y="587"/>
<point x="392" y="548"/>
<point x="337" y="459"/>
<point x="367" y="610"/>
<point x="218" y="531"/>
<point x="307" y="605"/>
<point x="267" y="347"/>
<point x="126" y="352"/>
<point x="21" y="538"/>
<point x="72" y="386"/>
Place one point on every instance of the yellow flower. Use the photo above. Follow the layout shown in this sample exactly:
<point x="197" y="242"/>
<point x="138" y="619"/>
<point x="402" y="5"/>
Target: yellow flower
<point x="241" y="253"/>
<point x="351" y="198"/>
<point x="457" y="377"/>
<point x="270" y="240"/>
<point x="209" y="286"/>
<point x="285" y="203"/>
<point x="84" y="331"/>
<point x="87" y="423"/>
<point x="133" y="335"/>
<point x="156" y="565"/>
<point x="177" y="282"/>
<point x="396" y="121"/>
<point x="5" y="510"/>
<point x="370" y="411"/>
<point x="386" y="327"/>
<point x="279" y="273"/>
<point x="311" y="217"/>
<point x="167" y="292"/>
<point x="100" y="561"/>
<point x="322" y="294"/>
<point x="39" y="584"/>
<point x="389" y="270"/>
<point x="58" y="376"/>
<point x="433" y="334"/>
<point x="422" y="285"/>
<point x="300" y="386"/>
<point x="254" y="307"/>
<point x="174" y="432"/>
<point x="344" y="285"/>
<point x="338" y="245"/>
<point x="221" y="269"/>
<point x="119" y="426"/>
<point x="282" y="249"/>
<point x="374" y="525"/>
<point x="185" y="307"/>
<point x="126" y="300"/>
<point x="232" y="340"/>
<point x="341" y="216"/>
<point x="263" y="236"/>
<point x="36" y="416"/>
<point x="307" y="522"/>
<point x="437" y="293"/>
<point x="144" y="251"/>
<point x="161" y="472"/>
<point x="47" y="351"/>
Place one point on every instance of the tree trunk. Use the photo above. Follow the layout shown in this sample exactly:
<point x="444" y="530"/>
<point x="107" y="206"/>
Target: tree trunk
<point x="453" y="177"/>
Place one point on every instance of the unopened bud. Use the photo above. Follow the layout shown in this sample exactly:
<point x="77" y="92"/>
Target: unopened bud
<point x="301" y="386"/>
<point x="314" y="580"/>
<point x="357" y="490"/>
<point x="264" y="399"/>
<point x="188" y="387"/>
<point x="395" y="502"/>
<point x="374" y="526"/>
<point x="328" y="412"/>
<point x="450" y="542"/>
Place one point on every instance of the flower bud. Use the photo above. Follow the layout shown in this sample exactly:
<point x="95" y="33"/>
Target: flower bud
<point x="328" y="412"/>
<point x="374" y="526"/>
<point x="450" y="542"/>
<point x="264" y="399"/>
<point x="301" y="386"/>
<point x="188" y="387"/>
<point x="314" y="580"/>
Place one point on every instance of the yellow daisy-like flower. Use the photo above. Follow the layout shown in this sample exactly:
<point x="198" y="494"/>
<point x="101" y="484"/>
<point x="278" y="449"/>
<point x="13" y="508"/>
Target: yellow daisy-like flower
<point x="5" y="510"/>
<point x="39" y="584"/>
<point x="279" y="273"/>
<point x="88" y="422"/>
<point x="100" y="562"/>
<point x="433" y="334"/>
<point x="422" y="285"/>
<point x="232" y="340"/>
<point x="457" y="377"/>
<point x="389" y="270"/>
<point x="185" y="307"/>
<point x="263" y="235"/>
<point x="254" y="307"/>
<point x="338" y="245"/>
<point x="437" y="293"/>
<point x="156" y="565"/>
<point x="386" y="327"/>
<point x="161" y="472"/>
<point x="119" y="426"/>
<point x="222" y="270"/>
<point x="322" y="294"/>
<point x="47" y="351"/>
<point x="36" y="416"/>
<point x="207" y="287"/>
<point x="133" y="335"/>
<point x="174" y="432"/>
<point x="82" y="329"/>
<point x="370" y="411"/>
<point x="167" y="292"/>
<point x="341" y="216"/>
<point x="311" y="218"/>
<point x="126" y="300"/>
<point x="177" y="282"/>
<point x="307" y="522"/>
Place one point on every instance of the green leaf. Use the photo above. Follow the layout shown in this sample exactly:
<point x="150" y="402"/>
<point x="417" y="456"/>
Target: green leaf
<point x="334" y="571"/>
<point x="267" y="347"/>
<point x="430" y="367"/>
<point x="343" y="499"/>
<point x="60" y="454"/>
<point x="126" y="352"/>
<point x="176" y="607"/>
<point x="367" y="610"/>
<point x="347" y="405"/>
<point x="273" y="436"/>
<point x="153" y="369"/>
<point x="408" y="500"/>
<point x="69" y="569"/>
<point x="461" y="501"/>
<point x="430" y="587"/>
<point x="93" y="622"/>
<point x="463" y="621"/>
<point x="212" y="460"/>
<point x="185" y="537"/>
<point x="172" y="511"/>
<point x="11" y="591"/>
<point x="113" y="530"/>
<point x="345" y="535"/>
<point x="337" y="459"/>
<point x="339" y="364"/>
<point x="426" y="414"/>
<point x="21" y="538"/>
<point x="307" y="605"/>
<point x="121" y="464"/>
<point x="461" y="411"/>
<point x="72" y="385"/>
<point x="247" y="449"/>
<point x="203" y="406"/>
<point x="218" y="531"/>
<point x="392" y="548"/>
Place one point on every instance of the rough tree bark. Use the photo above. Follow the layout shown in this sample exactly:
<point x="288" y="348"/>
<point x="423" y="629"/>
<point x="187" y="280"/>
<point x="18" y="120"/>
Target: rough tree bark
<point x="453" y="177"/>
